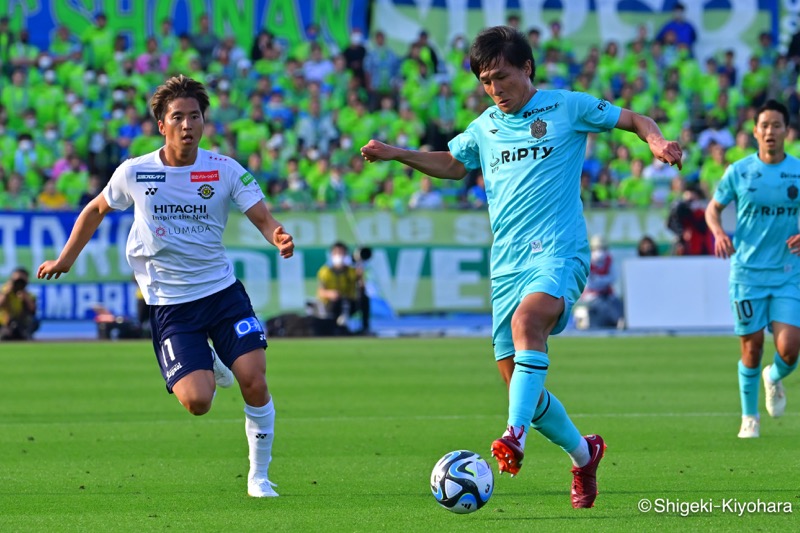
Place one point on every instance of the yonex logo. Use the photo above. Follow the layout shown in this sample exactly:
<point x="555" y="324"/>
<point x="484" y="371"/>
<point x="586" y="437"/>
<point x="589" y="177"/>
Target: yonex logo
<point x="493" y="131"/>
<point x="261" y="435"/>
<point x="150" y="191"/>
<point x="151" y="176"/>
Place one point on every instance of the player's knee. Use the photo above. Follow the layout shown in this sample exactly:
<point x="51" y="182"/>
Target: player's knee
<point x="254" y="387"/>
<point x="196" y="405"/>
<point x="528" y="325"/>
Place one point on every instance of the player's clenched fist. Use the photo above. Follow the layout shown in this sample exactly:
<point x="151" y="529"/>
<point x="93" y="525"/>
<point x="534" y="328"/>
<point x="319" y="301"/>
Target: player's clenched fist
<point x="284" y="242"/>
<point x="378" y="151"/>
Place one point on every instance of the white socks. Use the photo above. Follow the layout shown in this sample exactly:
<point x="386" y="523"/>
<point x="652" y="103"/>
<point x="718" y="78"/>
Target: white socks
<point x="260" y="429"/>
<point x="581" y="456"/>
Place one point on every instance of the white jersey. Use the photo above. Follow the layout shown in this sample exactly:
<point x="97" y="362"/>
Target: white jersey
<point x="175" y="244"/>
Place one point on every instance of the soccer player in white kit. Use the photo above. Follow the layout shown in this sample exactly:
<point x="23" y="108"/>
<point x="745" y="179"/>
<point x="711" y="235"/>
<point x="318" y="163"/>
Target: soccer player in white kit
<point x="181" y="197"/>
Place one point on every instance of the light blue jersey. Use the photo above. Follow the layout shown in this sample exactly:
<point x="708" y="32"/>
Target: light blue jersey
<point x="767" y="206"/>
<point x="532" y="163"/>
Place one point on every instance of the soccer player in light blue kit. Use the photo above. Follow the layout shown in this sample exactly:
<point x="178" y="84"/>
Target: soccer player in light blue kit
<point x="765" y="260"/>
<point x="530" y="146"/>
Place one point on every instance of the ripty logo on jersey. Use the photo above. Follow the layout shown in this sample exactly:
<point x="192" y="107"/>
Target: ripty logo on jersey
<point x="151" y="176"/>
<point x="202" y="176"/>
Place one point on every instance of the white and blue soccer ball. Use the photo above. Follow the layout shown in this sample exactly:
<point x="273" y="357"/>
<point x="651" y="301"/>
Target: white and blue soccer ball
<point x="462" y="482"/>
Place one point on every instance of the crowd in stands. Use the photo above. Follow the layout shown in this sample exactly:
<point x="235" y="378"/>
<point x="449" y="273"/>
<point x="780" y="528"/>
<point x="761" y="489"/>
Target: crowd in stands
<point x="295" y="115"/>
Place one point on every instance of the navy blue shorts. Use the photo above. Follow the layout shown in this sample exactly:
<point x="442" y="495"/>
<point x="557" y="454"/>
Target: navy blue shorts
<point x="181" y="332"/>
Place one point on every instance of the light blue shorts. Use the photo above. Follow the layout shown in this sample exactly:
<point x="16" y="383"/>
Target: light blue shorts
<point x="755" y="307"/>
<point x="560" y="278"/>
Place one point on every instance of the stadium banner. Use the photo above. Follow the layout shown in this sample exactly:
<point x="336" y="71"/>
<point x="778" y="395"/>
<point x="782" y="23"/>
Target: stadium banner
<point x="720" y="25"/>
<point x="423" y="261"/>
<point x="138" y="19"/>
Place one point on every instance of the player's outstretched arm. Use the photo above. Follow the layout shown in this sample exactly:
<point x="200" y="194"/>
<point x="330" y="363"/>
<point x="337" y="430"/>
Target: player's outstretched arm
<point x="87" y="223"/>
<point x="723" y="247"/>
<point x="271" y="229"/>
<point x="435" y="164"/>
<point x="646" y="128"/>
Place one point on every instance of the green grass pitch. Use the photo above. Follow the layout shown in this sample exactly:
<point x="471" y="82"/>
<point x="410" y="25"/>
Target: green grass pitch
<point x="90" y="441"/>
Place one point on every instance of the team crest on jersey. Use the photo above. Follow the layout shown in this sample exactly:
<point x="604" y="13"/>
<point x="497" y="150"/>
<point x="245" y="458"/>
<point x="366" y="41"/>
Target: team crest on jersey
<point x="205" y="191"/>
<point x="538" y="128"/>
<point x="160" y="231"/>
<point x="792" y="192"/>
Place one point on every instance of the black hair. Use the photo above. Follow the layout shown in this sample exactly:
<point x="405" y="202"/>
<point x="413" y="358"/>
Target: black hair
<point x="774" y="105"/>
<point x="500" y="43"/>
<point x="339" y="245"/>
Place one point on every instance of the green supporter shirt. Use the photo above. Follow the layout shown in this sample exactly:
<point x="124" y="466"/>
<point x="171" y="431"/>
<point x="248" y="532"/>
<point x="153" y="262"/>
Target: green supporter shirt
<point x="144" y="144"/>
<point x="364" y="184"/>
<point x="329" y="196"/>
<point x="734" y="153"/>
<point x="19" y="202"/>
<point x="16" y="99"/>
<point x="48" y="102"/>
<point x="72" y="184"/>
<point x="249" y="135"/>
<point x="620" y="168"/>
<point x="635" y="191"/>
<point x="711" y="174"/>
<point x="98" y="46"/>
<point x="361" y="128"/>
<point x="605" y="192"/>
<point x="755" y="82"/>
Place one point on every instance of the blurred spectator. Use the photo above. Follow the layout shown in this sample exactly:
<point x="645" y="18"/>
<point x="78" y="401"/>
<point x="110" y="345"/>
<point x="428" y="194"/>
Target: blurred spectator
<point x="712" y="169"/>
<point x="380" y="68"/>
<point x="204" y="40"/>
<point x="338" y="284"/>
<point x="21" y="53"/>
<point x="354" y="56"/>
<point x="334" y="192"/>
<point x="647" y="247"/>
<point x="6" y="39"/>
<point x="317" y="68"/>
<point x="604" y="190"/>
<point x="264" y="47"/>
<point x="635" y="191"/>
<point x="660" y="175"/>
<point x="426" y="197"/>
<point x="15" y="197"/>
<point x="152" y="60"/>
<point x="93" y="188"/>
<point x="715" y="132"/>
<point x="443" y="117"/>
<point x="50" y="199"/>
<point x="98" y="42"/>
<point x="682" y="29"/>
<point x="604" y="307"/>
<point x="427" y="54"/>
<point x="18" y="321"/>
<point x="476" y="195"/>
<point x="755" y="82"/>
<point x="166" y="38"/>
<point x="316" y="129"/>
<point x="687" y="221"/>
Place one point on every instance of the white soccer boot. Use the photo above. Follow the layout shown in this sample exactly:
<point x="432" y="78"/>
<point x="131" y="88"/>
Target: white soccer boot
<point x="750" y="427"/>
<point x="775" y="397"/>
<point x="222" y="374"/>
<point x="261" y="488"/>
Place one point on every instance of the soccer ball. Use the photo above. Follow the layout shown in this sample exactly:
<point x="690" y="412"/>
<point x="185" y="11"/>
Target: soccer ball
<point x="462" y="482"/>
